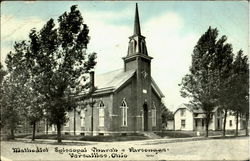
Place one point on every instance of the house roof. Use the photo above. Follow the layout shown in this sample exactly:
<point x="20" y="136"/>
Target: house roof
<point x="198" y="111"/>
<point x="202" y="111"/>
<point x="111" y="81"/>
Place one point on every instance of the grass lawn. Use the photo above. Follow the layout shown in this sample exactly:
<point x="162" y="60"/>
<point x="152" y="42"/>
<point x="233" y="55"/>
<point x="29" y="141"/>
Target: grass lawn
<point x="168" y="134"/>
<point x="89" y="138"/>
<point x="185" y="134"/>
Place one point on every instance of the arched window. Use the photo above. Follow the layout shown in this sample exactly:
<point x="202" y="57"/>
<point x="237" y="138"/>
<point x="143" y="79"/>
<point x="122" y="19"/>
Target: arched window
<point x="154" y="115"/>
<point x="101" y="113"/>
<point x="124" y="113"/>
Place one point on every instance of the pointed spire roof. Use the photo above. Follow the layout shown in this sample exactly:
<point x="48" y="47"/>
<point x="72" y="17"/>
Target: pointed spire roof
<point x="137" y="28"/>
<point x="137" y="44"/>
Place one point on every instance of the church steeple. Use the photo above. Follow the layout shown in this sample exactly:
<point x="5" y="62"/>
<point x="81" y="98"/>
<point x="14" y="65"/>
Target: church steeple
<point x="137" y="28"/>
<point x="137" y="44"/>
<point x="137" y="49"/>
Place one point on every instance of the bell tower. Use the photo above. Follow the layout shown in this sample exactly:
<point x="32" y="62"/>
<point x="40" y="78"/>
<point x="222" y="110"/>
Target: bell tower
<point x="137" y="47"/>
<point x="137" y="59"/>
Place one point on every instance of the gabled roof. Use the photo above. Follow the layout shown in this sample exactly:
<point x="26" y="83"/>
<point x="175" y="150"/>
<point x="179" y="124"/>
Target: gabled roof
<point x="111" y="81"/>
<point x="198" y="111"/>
<point x="182" y="106"/>
<point x="156" y="88"/>
<point x="202" y="111"/>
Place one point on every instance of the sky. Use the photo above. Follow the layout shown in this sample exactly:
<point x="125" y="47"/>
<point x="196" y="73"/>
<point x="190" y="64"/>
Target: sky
<point x="171" y="28"/>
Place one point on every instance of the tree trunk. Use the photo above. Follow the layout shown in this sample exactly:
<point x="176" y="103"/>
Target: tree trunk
<point x="47" y="127"/>
<point x="12" y="134"/>
<point x="237" y="120"/>
<point x="59" y="136"/>
<point x="34" y="131"/>
<point x="74" y="121"/>
<point x="224" y="123"/>
<point x="246" y="124"/>
<point x="207" y="124"/>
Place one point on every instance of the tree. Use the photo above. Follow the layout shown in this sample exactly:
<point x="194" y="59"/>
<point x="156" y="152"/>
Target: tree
<point x="239" y="93"/>
<point x="215" y="80"/>
<point x="2" y="74"/>
<point x="59" y="64"/>
<point x="31" y="100"/>
<point x="200" y="84"/>
<point x="11" y="103"/>
<point x="14" y="89"/>
<point x="222" y="66"/>
<point x="166" y="114"/>
<point x="35" y="110"/>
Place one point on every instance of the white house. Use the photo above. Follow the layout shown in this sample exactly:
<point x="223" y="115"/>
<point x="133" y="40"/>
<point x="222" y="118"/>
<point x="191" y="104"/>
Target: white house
<point x="186" y="118"/>
<point x="231" y="122"/>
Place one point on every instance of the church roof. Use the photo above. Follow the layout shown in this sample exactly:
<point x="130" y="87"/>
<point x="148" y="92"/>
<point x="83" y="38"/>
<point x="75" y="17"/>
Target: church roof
<point x="111" y="81"/>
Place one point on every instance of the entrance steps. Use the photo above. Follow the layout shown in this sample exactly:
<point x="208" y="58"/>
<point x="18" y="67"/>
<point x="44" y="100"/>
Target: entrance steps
<point x="151" y="135"/>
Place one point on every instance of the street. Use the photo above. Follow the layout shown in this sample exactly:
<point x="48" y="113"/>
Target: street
<point x="212" y="149"/>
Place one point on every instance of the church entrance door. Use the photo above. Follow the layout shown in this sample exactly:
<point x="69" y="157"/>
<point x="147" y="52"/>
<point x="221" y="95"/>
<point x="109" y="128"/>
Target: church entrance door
<point x="145" y="116"/>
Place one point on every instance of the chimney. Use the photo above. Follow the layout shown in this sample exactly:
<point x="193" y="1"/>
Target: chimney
<point x="92" y="80"/>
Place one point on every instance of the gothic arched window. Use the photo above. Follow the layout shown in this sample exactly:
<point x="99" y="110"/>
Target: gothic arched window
<point x="154" y="115"/>
<point x="101" y="113"/>
<point x="124" y="113"/>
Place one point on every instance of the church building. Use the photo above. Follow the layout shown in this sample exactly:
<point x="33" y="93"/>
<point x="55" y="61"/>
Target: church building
<point x="125" y="100"/>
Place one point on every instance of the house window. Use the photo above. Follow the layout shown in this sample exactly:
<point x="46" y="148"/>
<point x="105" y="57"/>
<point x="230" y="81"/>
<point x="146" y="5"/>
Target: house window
<point x="124" y="113"/>
<point x="67" y="117"/>
<point x="183" y="123"/>
<point x="154" y="115"/>
<point x="230" y="123"/>
<point x="101" y="114"/>
<point x="183" y="112"/>
<point x="83" y="111"/>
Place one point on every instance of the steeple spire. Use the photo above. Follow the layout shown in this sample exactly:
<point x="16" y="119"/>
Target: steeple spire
<point x="137" y="43"/>
<point x="137" y="49"/>
<point x="137" y="28"/>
